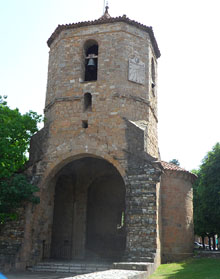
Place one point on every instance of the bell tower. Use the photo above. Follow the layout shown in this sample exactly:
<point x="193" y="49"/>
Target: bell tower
<point x="96" y="159"/>
<point x="112" y="60"/>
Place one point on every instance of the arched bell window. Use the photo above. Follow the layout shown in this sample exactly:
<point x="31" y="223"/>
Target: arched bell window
<point x="91" y="60"/>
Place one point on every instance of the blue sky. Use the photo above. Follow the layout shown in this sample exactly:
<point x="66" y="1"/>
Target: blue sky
<point x="187" y="32"/>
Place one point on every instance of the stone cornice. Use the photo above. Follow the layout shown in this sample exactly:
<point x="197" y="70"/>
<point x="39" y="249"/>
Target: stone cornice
<point x="62" y="99"/>
<point x="138" y="99"/>
<point x="77" y="98"/>
<point x="125" y="19"/>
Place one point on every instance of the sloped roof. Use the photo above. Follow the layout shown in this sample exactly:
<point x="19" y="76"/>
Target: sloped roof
<point x="170" y="166"/>
<point x="104" y="20"/>
<point x="173" y="167"/>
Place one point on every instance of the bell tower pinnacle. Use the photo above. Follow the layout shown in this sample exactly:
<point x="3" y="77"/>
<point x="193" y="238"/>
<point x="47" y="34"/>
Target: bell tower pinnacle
<point x="106" y="14"/>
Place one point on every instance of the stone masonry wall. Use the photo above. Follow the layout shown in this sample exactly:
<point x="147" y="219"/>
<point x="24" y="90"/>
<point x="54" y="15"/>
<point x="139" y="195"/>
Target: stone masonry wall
<point x="142" y="215"/>
<point x="112" y="92"/>
<point x="140" y="176"/>
<point x="11" y="240"/>
<point x="142" y="199"/>
<point x="177" y="218"/>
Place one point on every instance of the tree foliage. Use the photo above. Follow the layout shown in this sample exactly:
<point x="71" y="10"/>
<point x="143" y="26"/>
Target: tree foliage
<point x="15" y="134"/>
<point x="207" y="195"/>
<point x="175" y="162"/>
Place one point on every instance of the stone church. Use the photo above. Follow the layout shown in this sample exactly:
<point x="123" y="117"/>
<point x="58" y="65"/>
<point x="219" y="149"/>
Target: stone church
<point x="104" y="192"/>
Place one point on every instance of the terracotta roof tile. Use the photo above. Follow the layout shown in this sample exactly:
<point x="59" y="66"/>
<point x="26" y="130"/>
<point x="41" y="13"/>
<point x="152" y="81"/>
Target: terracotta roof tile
<point x="104" y="20"/>
<point x="170" y="166"/>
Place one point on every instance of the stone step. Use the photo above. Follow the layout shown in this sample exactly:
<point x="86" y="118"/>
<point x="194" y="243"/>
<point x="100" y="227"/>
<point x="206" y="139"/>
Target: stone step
<point x="70" y="267"/>
<point x="140" y="266"/>
<point x="78" y="268"/>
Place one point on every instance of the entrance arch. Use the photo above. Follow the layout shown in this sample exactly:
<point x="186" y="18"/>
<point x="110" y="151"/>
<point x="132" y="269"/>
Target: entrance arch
<point x="89" y="208"/>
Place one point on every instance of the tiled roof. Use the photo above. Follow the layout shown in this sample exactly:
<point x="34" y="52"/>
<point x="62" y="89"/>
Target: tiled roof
<point x="104" y="20"/>
<point x="173" y="167"/>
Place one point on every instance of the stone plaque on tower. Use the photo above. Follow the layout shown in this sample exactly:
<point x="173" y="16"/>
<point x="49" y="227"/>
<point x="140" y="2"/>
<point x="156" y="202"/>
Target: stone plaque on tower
<point x="136" y="71"/>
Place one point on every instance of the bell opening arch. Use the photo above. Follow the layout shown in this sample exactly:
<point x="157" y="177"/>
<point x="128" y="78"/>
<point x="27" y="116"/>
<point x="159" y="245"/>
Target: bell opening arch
<point x="91" y="60"/>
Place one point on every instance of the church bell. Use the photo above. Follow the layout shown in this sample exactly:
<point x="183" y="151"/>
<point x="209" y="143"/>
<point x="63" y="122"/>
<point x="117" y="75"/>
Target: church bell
<point x="91" y="63"/>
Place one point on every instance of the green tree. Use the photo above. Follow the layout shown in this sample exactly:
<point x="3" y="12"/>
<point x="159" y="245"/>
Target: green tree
<point x="207" y="195"/>
<point x="199" y="220"/>
<point x="15" y="134"/>
<point x="175" y="162"/>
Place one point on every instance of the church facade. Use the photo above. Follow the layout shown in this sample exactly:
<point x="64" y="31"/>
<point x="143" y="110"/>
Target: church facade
<point x="104" y="192"/>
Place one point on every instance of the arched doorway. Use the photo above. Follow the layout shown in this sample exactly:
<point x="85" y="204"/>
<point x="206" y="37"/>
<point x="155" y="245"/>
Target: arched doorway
<point x="89" y="208"/>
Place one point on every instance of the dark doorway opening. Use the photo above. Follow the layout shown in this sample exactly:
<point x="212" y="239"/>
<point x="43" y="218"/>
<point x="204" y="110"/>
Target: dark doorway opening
<point x="105" y="222"/>
<point x="64" y="201"/>
<point x="89" y="208"/>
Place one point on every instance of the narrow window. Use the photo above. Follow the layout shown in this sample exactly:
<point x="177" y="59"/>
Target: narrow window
<point x="153" y="76"/>
<point x="85" y="124"/>
<point x="87" y="102"/>
<point x="91" y="60"/>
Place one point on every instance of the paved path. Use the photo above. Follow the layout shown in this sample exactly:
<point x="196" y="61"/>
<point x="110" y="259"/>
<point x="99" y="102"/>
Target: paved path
<point x="108" y="274"/>
<point x="37" y="275"/>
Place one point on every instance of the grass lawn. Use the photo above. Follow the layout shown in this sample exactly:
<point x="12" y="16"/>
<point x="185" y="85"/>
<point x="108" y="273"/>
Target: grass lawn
<point x="190" y="269"/>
